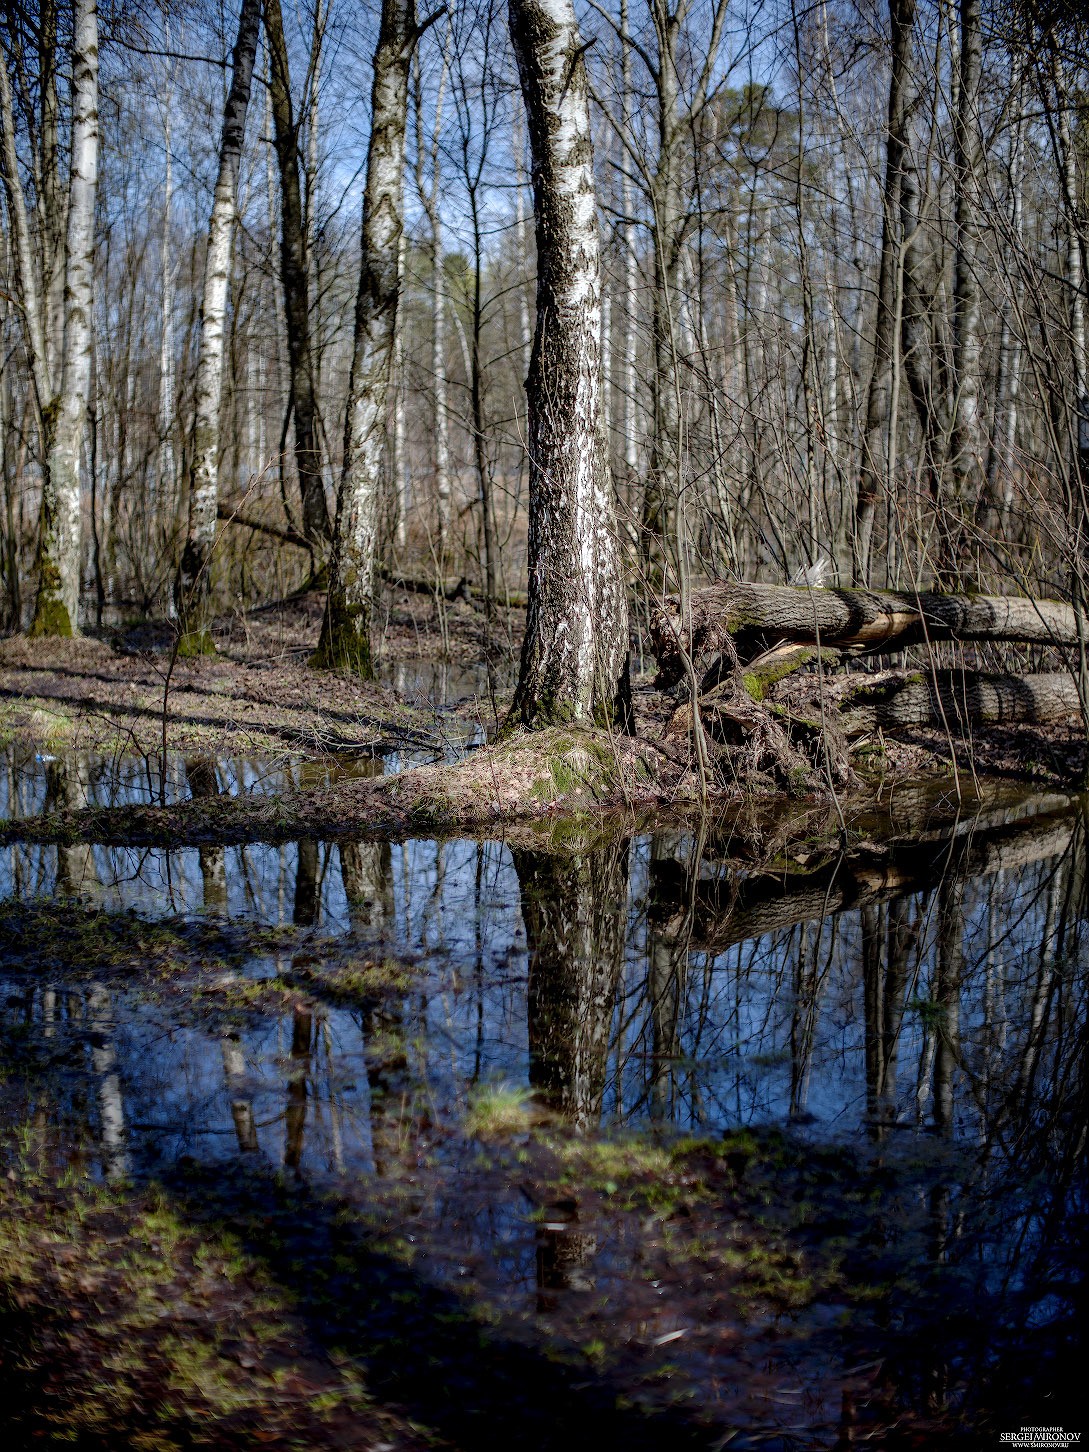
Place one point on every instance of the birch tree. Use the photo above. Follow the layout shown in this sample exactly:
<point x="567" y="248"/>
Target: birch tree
<point x="345" y="642"/>
<point x="575" y="650"/>
<point x="294" y="280"/>
<point x="61" y="401"/>
<point x="56" y="609"/>
<point x="193" y="588"/>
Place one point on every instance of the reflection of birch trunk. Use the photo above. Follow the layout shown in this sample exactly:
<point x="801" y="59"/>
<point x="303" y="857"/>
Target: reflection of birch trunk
<point x="367" y="873"/>
<point x="193" y="589"/>
<point x="302" y="1034"/>
<point x="67" y="788"/>
<point x="575" y="912"/>
<point x="305" y="910"/>
<point x="111" y="1108"/>
<point x="886" y="939"/>
<point x="667" y="981"/>
<point x="200" y="775"/>
<point x="234" y="1072"/>
<point x="946" y="998"/>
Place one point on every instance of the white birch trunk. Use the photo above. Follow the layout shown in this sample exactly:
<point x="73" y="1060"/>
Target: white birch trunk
<point x="574" y="656"/>
<point x="167" y="470"/>
<point x="56" y="609"/>
<point x="345" y="642"/>
<point x="194" y="583"/>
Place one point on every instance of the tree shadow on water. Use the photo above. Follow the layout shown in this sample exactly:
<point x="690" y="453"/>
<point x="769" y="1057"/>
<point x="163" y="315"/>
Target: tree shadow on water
<point x="418" y="1344"/>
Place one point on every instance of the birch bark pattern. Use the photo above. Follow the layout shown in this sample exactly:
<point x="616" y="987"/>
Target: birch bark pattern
<point x="345" y="642"/>
<point x="193" y="589"/>
<point x="56" y="608"/>
<point x="574" y="655"/>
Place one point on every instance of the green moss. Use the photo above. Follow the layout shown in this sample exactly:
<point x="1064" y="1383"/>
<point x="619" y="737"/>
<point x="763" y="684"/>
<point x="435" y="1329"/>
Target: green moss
<point x="193" y="644"/>
<point x="51" y="617"/>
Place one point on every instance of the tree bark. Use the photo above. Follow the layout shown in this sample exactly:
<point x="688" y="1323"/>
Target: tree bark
<point x="345" y="642"/>
<point x="574" y="655"/>
<point x="759" y="615"/>
<point x="193" y="587"/>
<point x="965" y="445"/>
<point x="294" y="283"/>
<point x="56" y="609"/>
<point x="954" y="700"/>
<point x="879" y="419"/>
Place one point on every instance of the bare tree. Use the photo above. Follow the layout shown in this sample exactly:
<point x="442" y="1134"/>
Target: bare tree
<point x="345" y="642"/>
<point x="193" y="587"/>
<point x="294" y="281"/>
<point x="574" y="656"/>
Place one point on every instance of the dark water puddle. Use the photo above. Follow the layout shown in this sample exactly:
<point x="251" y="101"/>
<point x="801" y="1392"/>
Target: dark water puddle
<point x="625" y="1143"/>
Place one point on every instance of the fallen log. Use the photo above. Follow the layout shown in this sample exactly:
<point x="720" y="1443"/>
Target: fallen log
<point x="748" y="617"/>
<point x="958" y="700"/>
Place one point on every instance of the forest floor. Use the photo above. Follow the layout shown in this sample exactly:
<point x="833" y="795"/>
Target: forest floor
<point x="444" y="687"/>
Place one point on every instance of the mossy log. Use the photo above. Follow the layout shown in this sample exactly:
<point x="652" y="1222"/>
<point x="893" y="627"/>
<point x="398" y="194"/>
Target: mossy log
<point x="749" y="617"/>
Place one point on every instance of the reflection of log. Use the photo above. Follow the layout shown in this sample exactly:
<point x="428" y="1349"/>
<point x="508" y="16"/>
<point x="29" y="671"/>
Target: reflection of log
<point x="857" y="619"/>
<point x="728" y="911"/>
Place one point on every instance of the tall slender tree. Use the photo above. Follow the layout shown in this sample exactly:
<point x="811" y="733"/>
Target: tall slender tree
<point x="345" y="642"/>
<point x="193" y="587"/>
<point x="575" y="650"/>
<point x="294" y="280"/>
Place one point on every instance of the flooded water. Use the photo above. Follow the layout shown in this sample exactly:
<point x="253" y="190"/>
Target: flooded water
<point x="785" y="1157"/>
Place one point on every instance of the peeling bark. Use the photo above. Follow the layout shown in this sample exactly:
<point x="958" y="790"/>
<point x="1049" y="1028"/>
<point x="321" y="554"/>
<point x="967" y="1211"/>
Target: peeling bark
<point x="345" y="642"/>
<point x="574" y="656"/>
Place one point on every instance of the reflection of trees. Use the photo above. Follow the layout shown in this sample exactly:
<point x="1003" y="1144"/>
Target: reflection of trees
<point x="234" y="1071"/>
<point x="302" y="1036"/>
<point x="888" y="935"/>
<point x="111" y="1108"/>
<point x="367" y="873"/>
<point x="575" y="911"/>
<point x="203" y="782"/>
<point x="305" y="911"/>
<point x="67" y="787"/>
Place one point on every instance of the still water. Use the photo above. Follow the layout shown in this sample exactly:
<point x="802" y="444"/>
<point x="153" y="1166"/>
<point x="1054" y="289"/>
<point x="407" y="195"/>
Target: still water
<point x="897" y="1041"/>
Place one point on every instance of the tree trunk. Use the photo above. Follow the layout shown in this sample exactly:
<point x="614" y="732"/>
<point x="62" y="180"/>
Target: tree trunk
<point x="879" y="420"/>
<point x="293" y="279"/>
<point x="574" y="655"/>
<point x="193" y="588"/>
<point x="345" y="642"/>
<point x="750" y="617"/>
<point x="954" y="700"/>
<point x="56" y="609"/>
<point x="965" y="434"/>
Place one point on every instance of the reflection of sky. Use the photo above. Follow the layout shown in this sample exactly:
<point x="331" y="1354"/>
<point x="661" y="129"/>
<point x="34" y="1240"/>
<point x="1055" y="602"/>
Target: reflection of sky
<point x="773" y="1029"/>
